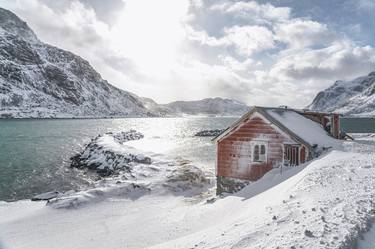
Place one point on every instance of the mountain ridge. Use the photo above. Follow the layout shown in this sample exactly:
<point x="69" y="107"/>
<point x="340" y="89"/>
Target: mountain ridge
<point x="353" y="98"/>
<point x="38" y="80"/>
<point x="209" y="106"/>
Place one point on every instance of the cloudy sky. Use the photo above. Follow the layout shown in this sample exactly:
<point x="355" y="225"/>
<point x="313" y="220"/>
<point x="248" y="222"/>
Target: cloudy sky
<point x="260" y="52"/>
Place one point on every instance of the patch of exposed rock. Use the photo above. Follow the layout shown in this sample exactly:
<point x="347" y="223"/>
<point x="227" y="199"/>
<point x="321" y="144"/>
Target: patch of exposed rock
<point x="106" y="155"/>
<point x="209" y="133"/>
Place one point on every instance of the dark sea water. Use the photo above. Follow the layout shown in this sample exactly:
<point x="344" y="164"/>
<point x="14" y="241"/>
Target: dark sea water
<point x="34" y="154"/>
<point x="358" y="125"/>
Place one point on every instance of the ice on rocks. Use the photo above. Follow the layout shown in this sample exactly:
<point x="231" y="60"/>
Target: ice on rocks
<point x="106" y="154"/>
<point x="122" y="137"/>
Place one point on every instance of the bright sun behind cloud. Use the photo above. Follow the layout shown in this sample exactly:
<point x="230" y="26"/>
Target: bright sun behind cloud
<point x="149" y="33"/>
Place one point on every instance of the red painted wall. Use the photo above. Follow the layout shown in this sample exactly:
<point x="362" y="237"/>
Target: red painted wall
<point x="231" y="150"/>
<point x="336" y="126"/>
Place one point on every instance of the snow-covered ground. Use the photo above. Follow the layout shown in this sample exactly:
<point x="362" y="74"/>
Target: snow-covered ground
<point x="328" y="203"/>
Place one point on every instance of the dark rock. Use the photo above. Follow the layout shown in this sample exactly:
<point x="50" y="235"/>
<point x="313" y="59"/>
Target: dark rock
<point x="308" y="233"/>
<point x="143" y="160"/>
<point x="209" y="133"/>
<point x="229" y="185"/>
<point x="46" y="196"/>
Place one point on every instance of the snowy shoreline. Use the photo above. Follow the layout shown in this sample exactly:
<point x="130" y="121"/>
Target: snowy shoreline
<point x="327" y="203"/>
<point x="125" y="172"/>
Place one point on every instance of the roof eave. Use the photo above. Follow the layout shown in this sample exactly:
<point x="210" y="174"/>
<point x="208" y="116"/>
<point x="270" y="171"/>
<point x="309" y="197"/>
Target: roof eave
<point x="267" y="116"/>
<point x="235" y="124"/>
<point x="285" y="129"/>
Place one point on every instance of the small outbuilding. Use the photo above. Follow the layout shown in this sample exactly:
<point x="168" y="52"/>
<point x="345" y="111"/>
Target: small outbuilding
<point x="267" y="138"/>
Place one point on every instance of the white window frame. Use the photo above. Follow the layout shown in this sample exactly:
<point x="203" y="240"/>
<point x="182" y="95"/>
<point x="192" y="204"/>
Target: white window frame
<point x="265" y="156"/>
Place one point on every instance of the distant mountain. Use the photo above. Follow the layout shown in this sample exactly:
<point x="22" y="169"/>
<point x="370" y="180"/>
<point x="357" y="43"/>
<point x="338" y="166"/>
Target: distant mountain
<point x="355" y="97"/>
<point x="39" y="80"/>
<point x="209" y="106"/>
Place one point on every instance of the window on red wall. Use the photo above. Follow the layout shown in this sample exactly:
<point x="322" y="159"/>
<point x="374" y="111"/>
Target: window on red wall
<point x="259" y="153"/>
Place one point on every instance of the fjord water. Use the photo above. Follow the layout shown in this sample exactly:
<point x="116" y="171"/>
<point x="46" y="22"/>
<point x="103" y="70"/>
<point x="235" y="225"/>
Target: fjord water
<point x="34" y="154"/>
<point x="358" y="125"/>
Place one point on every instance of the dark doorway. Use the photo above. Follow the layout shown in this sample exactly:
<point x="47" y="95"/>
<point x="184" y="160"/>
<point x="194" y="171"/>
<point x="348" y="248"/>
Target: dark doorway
<point x="291" y="155"/>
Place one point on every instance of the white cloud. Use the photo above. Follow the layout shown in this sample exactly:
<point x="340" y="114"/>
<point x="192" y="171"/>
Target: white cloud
<point x="249" y="39"/>
<point x="72" y="27"/>
<point x="236" y="65"/>
<point x="299" y="33"/>
<point x="254" y="11"/>
<point x="246" y="40"/>
<point x="341" y="60"/>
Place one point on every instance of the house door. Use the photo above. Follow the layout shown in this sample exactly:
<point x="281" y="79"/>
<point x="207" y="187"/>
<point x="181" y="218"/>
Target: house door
<point x="291" y="155"/>
<point x="244" y="159"/>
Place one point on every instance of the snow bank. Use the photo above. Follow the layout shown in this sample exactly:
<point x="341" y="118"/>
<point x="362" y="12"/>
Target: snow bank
<point x="185" y="180"/>
<point x="363" y="136"/>
<point x="326" y="205"/>
<point x="74" y="199"/>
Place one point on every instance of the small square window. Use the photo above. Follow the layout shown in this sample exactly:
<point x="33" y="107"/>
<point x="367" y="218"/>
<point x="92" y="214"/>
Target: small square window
<point x="259" y="153"/>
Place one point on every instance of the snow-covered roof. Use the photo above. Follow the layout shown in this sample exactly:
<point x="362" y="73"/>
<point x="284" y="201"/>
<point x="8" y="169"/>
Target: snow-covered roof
<point x="309" y="131"/>
<point x="302" y="129"/>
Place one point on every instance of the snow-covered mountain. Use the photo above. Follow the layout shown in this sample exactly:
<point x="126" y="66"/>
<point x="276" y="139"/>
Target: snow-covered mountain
<point x="209" y="106"/>
<point x="39" y="80"/>
<point x="355" y="97"/>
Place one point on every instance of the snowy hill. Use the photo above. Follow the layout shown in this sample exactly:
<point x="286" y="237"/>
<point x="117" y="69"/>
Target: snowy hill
<point x="355" y="97"/>
<point x="209" y="106"/>
<point x="39" y="80"/>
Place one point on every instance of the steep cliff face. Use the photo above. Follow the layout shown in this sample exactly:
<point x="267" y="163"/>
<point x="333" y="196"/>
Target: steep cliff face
<point x="39" y="80"/>
<point x="355" y="97"/>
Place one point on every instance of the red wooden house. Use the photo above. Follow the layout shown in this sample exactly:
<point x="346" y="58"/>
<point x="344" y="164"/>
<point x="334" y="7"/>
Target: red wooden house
<point x="266" y="138"/>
